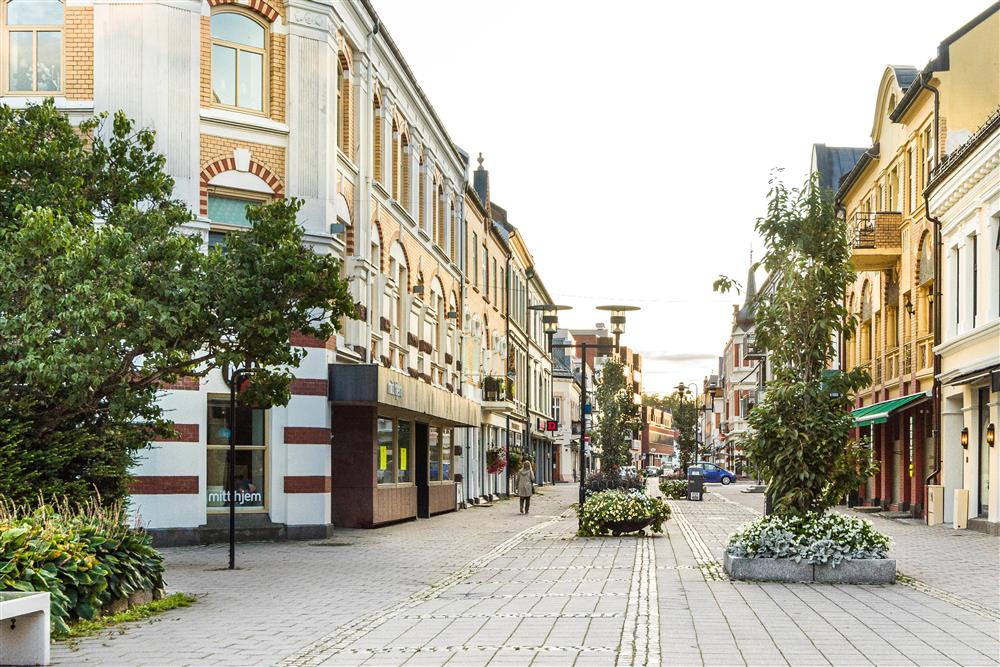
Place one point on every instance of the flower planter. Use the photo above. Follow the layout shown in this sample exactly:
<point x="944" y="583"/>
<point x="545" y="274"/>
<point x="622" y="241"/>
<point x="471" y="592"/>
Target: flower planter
<point x="869" y="571"/>
<point x="621" y="527"/>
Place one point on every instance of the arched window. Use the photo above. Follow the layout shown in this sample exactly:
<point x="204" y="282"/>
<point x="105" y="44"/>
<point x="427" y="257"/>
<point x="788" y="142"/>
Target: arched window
<point x="343" y="108"/>
<point x="378" y="149"/>
<point x="925" y="284"/>
<point x="439" y="216"/>
<point x="239" y="59"/>
<point x="398" y="274"/>
<point x="421" y="195"/>
<point x="865" y="335"/>
<point x="404" y="170"/>
<point x="34" y="45"/>
<point x="396" y="156"/>
<point x="438" y="313"/>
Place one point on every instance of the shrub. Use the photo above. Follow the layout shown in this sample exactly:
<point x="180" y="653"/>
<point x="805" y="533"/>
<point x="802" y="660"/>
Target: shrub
<point x="605" y="479"/>
<point x="674" y="488"/>
<point x="606" y="507"/>
<point x="813" y="538"/>
<point x="84" y="556"/>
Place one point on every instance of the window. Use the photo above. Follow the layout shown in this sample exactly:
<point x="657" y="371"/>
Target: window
<point x="239" y="60"/>
<point x="957" y="257"/>
<point x="912" y="179"/>
<point x="737" y="360"/>
<point x="397" y="154"/>
<point x="377" y="149"/>
<point x="433" y="453"/>
<point x="446" y="454"/>
<point x="557" y="409"/>
<point x="344" y="108"/>
<point x="486" y="274"/>
<point x="495" y="282"/>
<point x="385" y="472"/>
<point x="928" y="155"/>
<point x="34" y="45"/>
<point x="251" y="448"/>
<point x="228" y="209"/>
<point x="475" y="259"/>
<point x="404" y="446"/>
<point x="893" y="188"/>
<point x="975" y="278"/>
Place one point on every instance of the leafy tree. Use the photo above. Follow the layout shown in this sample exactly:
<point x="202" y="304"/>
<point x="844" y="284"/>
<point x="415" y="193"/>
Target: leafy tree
<point x="618" y="416"/>
<point x="685" y="420"/>
<point x="104" y="298"/>
<point x="799" y="435"/>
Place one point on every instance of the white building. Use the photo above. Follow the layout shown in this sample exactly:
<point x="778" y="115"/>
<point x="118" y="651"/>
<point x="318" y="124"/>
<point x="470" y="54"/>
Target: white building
<point x="964" y="196"/>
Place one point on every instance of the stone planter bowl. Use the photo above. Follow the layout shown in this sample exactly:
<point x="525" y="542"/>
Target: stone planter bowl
<point x="621" y="527"/>
<point x="869" y="571"/>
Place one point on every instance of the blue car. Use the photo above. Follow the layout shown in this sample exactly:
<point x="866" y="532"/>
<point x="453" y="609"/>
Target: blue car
<point x="714" y="473"/>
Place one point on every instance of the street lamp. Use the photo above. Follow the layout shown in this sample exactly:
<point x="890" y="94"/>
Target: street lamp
<point x="550" y="319"/>
<point x="236" y="379"/>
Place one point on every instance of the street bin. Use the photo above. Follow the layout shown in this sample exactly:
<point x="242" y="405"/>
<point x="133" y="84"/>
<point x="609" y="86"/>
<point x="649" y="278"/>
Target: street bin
<point x="696" y="483"/>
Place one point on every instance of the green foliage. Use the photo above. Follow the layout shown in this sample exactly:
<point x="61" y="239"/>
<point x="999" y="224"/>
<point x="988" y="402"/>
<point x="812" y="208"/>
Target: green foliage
<point x="799" y="435"/>
<point x="618" y="416"/>
<point x="104" y="297"/>
<point x="675" y="489"/>
<point x="84" y="555"/>
<point x="685" y="420"/>
<point x="84" y="628"/>
<point x="813" y="537"/>
<point x="603" y="510"/>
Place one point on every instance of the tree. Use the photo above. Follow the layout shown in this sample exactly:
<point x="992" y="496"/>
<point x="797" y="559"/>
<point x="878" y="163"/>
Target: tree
<point x="618" y="416"/>
<point x="799" y="435"/>
<point x="104" y="298"/>
<point x="685" y="420"/>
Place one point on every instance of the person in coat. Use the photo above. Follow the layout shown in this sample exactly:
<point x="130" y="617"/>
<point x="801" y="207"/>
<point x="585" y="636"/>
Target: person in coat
<point x="525" y="485"/>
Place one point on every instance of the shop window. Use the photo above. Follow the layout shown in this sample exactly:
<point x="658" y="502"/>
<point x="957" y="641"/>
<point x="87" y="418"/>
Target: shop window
<point x="385" y="473"/>
<point x="446" y="452"/>
<point x="404" y="445"/>
<point x="239" y="60"/>
<point x="250" y="436"/>
<point x="34" y="45"/>
<point x="433" y="454"/>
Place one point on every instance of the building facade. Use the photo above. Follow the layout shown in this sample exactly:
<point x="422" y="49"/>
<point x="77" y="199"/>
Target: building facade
<point x="658" y="438"/>
<point x="964" y="199"/>
<point x="256" y="100"/>
<point x="920" y="116"/>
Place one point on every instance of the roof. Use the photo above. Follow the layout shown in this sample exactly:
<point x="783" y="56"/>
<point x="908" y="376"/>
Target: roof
<point x="905" y="75"/>
<point x="832" y="162"/>
<point x="848" y="179"/>
<point x="942" y="62"/>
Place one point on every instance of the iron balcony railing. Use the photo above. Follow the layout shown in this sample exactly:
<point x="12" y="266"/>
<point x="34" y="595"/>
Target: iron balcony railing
<point x="870" y="230"/>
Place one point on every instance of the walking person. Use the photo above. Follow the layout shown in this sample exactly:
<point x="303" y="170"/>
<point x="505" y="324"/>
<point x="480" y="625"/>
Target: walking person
<point x="525" y="485"/>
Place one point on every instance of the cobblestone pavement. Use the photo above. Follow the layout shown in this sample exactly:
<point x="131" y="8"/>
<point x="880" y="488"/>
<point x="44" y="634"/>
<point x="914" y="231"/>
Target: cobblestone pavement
<point x="488" y="586"/>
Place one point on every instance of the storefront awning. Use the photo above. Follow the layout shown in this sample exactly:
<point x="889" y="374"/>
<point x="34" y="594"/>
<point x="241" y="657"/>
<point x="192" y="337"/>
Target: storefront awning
<point x="970" y="373"/>
<point x="371" y="384"/>
<point x="879" y="413"/>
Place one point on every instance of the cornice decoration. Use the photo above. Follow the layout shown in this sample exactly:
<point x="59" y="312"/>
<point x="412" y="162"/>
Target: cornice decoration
<point x="970" y="181"/>
<point x="314" y="19"/>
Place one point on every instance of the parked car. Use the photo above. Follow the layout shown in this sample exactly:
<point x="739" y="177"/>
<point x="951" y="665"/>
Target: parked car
<point x="714" y="473"/>
<point x="652" y="471"/>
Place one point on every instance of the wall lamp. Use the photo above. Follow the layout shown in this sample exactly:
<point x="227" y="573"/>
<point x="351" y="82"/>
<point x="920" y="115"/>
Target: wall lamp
<point x="991" y="434"/>
<point x="909" y="306"/>
<point x="965" y="438"/>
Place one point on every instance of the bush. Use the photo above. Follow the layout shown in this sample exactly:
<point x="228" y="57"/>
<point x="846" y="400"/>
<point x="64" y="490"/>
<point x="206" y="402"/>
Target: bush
<point x="85" y="556"/>
<point x="674" y="488"/>
<point x="604" y="480"/>
<point x="606" y="507"/>
<point x="813" y="538"/>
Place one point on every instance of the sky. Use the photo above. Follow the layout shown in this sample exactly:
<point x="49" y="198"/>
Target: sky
<point x="632" y="142"/>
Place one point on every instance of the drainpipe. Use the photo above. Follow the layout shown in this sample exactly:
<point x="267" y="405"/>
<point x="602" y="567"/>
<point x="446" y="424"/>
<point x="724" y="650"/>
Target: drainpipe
<point x="936" y="393"/>
<point x="506" y="310"/>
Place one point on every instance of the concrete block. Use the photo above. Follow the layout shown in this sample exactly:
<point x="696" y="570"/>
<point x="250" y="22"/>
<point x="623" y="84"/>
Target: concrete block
<point x="767" y="569"/>
<point x="873" y="571"/>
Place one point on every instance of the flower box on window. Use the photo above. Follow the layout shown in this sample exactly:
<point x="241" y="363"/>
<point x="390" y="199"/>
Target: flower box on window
<point x="411" y="339"/>
<point x="425" y="377"/>
<point x="424" y="346"/>
<point x="384" y="324"/>
<point x="360" y="311"/>
<point x="414" y="373"/>
<point x="450" y="387"/>
<point x="385" y="361"/>
<point x="448" y="358"/>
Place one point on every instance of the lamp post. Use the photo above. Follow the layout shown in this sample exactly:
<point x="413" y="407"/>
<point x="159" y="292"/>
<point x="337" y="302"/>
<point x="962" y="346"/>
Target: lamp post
<point x="682" y="390"/>
<point x="235" y="378"/>
<point x="550" y="320"/>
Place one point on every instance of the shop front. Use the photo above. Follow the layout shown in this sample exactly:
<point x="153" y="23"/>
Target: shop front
<point x="394" y="448"/>
<point x="900" y="432"/>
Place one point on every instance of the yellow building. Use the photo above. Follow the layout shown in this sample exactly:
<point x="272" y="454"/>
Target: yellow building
<point x="919" y="117"/>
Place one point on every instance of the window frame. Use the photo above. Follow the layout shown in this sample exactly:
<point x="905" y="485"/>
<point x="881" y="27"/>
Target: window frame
<point x="34" y="29"/>
<point x="250" y="196"/>
<point x="265" y="53"/>
<point x="395" y="451"/>
<point x="266" y="448"/>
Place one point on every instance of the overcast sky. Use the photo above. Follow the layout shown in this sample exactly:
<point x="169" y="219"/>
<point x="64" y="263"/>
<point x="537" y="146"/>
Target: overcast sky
<point x="631" y="142"/>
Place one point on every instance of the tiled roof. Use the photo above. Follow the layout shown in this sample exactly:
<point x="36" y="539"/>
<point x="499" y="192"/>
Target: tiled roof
<point x="832" y="162"/>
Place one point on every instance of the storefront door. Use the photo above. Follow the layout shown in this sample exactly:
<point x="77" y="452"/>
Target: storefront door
<point x="420" y="469"/>
<point x="983" y="414"/>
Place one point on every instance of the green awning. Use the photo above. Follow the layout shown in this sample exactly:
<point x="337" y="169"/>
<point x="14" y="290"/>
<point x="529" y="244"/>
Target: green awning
<point x="878" y="413"/>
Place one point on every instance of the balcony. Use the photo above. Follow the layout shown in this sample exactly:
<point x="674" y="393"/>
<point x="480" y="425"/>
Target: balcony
<point x="498" y="395"/>
<point x="875" y="240"/>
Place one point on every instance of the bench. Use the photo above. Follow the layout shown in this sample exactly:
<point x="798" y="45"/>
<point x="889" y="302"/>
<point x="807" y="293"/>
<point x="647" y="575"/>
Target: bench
<point x="24" y="628"/>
